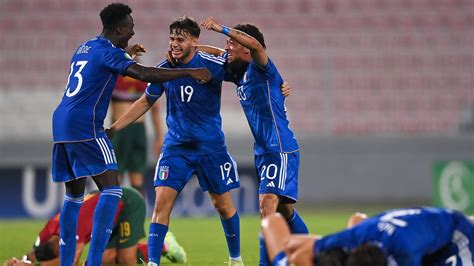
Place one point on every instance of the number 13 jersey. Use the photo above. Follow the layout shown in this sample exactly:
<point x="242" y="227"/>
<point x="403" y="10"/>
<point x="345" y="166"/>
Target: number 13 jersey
<point x="93" y="72"/>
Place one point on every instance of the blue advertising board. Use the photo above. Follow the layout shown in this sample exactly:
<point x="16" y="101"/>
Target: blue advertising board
<point x="28" y="192"/>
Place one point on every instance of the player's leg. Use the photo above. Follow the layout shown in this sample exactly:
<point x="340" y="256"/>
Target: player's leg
<point x="137" y="156"/>
<point x="62" y="171"/>
<point x="164" y="201"/>
<point x="217" y="173"/>
<point x="109" y="257"/>
<point x="268" y="203"/>
<point x="136" y="181"/>
<point x="104" y="213"/>
<point x="171" y="174"/>
<point x="275" y="232"/>
<point x="68" y="220"/>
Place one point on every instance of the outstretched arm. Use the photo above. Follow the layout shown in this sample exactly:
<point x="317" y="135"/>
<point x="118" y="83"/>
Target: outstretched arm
<point x="256" y="49"/>
<point x="138" y="108"/>
<point x="157" y="75"/>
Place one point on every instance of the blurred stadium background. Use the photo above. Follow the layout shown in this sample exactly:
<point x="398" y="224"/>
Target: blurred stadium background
<point x="382" y="95"/>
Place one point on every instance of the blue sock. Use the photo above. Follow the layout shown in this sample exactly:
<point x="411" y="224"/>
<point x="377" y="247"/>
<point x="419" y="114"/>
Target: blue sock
<point x="155" y="241"/>
<point x="68" y="228"/>
<point x="297" y="226"/>
<point x="280" y="259"/>
<point x="232" y="234"/>
<point x="264" y="260"/>
<point x="103" y="223"/>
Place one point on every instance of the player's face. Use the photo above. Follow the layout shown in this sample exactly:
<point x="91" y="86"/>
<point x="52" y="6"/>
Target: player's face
<point x="125" y="31"/>
<point x="236" y="52"/>
<point x="182" y="45"/>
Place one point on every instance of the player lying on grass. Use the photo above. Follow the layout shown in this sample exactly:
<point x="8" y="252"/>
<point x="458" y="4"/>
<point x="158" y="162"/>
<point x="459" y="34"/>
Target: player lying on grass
<point x="419" y="236"/>
<point x="123" y="247"/>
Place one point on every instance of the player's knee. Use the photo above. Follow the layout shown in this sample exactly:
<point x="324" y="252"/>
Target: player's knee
<point x="109" y="256"/>
<point x="268" y="204"/>
<point x="223" y="208"/>
<point x="162" y="208"/>
<point x="285" y="209"/>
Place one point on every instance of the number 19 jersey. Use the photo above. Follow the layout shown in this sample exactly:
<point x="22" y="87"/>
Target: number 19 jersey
<point x="93" y="72"/>
<point x="193" y="109"/>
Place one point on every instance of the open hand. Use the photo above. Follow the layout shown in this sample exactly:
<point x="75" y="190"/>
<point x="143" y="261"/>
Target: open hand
<point x="211" y="23"/>
<point x="135" y="50"/>
<point x="285" y="89"/>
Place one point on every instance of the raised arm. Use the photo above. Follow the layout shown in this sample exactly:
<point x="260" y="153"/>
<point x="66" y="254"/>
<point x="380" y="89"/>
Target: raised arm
<point x="256" y="49"/>
<point x="138" y="108"/>
<point x="158" y="75"/>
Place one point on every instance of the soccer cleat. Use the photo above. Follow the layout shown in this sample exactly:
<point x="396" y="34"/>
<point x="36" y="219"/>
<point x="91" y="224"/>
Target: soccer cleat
<point x="175" y="251"/>
<point x="236" y="261"/>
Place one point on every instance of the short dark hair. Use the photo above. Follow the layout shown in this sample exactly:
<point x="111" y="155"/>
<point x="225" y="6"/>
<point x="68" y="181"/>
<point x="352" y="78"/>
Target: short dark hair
<point x="331" y="257"/>
<point x="367" y="254"/>
<point x="114" y="14"/>
<point x="45" y="252"/>
<point x="186" y="24"/>
<point x="253" y="31"/>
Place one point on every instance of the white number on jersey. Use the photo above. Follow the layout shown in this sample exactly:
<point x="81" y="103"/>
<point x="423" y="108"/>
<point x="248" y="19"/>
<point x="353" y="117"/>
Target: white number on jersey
<point x="269" y="172"/>
<point x="77" y="75"/>
<point x="186" y="93"/>
<point x="225" y="170"/>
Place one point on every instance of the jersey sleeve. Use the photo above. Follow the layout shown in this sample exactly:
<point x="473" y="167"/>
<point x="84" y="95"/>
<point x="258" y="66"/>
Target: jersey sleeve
<point x="343" y="239"/>
<point x="117" y="60"/>
<point x="154" y="91"/>
<point x="268" y="71"/>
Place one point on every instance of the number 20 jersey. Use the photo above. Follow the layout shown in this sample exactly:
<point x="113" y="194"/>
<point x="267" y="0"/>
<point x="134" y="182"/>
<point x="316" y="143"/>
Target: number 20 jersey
<point x="259" y="91"/>
<point x="93" y="72"/>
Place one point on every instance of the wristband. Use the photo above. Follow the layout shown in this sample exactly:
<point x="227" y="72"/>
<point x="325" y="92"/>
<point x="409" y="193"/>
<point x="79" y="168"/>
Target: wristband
<point x="225" y="30"/>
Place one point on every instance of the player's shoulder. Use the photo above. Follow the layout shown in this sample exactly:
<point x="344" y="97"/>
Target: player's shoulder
<point x="211" y="59"/>
<point x="164" y="63"/>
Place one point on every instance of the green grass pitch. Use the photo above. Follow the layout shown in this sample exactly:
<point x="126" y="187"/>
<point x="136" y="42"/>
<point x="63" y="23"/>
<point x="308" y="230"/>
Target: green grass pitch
<point x="202" y="238"/>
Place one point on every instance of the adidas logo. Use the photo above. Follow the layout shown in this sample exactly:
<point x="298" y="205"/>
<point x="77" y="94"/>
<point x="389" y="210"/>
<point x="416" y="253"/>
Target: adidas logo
<point x="271" y="184"/>
<point x="61" y="242"/>
<point x="229" y="181"/>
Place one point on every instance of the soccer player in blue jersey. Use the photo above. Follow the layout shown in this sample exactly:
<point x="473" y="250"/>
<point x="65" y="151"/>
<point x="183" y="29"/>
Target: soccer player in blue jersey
<point x="276" y="149"/>
<point x="81" y="147"/>
<point x="418" y="236"/>
<point x="194" y="143"/>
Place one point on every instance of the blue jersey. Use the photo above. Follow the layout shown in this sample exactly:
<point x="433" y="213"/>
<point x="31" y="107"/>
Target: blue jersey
<point x="259" y="91"/>
<point x="193" y="109"/>
<point x="405" y="235"/>
<point x="93" y="71"/>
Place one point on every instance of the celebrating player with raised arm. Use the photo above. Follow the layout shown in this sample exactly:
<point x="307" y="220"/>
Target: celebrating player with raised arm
<point x="276" y="149"/>
<point x="81" y="147"/>
<point x="194" y="143"/>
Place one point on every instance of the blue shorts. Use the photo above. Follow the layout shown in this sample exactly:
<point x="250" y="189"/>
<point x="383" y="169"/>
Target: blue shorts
<point x="216" y="172"/>
<point x="74" y="160"/>
<point x="461" y="248"/>
<point x="278" y="174"/>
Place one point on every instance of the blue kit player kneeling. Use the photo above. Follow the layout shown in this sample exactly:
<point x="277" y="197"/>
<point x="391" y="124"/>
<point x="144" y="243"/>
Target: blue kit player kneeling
<point x="418" y="236"/>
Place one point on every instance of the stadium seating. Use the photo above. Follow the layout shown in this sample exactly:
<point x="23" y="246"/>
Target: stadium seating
<point x="377" y="67"/>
